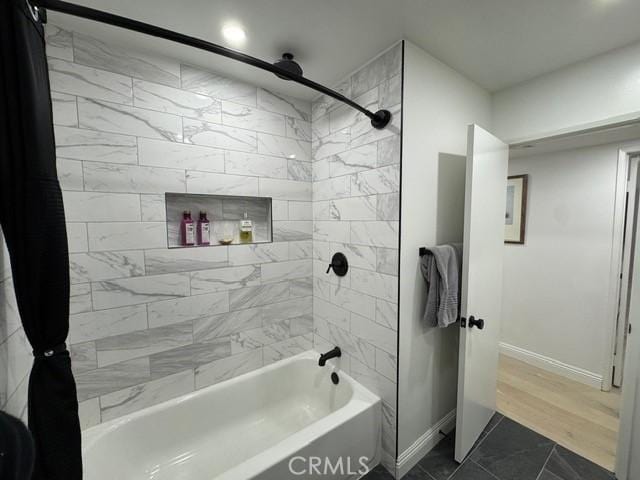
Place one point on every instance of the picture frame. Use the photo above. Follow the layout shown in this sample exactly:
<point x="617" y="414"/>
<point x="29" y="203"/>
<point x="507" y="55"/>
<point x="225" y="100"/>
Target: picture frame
<point x="516" y="209"/>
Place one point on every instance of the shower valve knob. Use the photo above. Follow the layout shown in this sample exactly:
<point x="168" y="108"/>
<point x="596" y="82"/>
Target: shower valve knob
<point x="339" y="264"/>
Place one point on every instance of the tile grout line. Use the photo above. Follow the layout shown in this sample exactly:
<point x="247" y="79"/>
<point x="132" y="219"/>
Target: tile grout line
<point x="544" y="465"/>
<point x="484" y="469"/>
<point x="475" y="448"/>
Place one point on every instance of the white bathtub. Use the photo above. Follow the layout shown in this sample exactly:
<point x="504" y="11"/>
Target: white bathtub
<point x="253" y="426"/>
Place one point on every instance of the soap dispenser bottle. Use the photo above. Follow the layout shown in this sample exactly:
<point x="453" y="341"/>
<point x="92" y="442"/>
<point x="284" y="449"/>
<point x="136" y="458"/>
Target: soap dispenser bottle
<point x="246" y="229"/>
<point x="203" y="229"/>
<point x="187" y="232"/>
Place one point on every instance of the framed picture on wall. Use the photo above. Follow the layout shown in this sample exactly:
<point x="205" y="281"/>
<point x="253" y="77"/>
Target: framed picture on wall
<point x="516" y="213"/>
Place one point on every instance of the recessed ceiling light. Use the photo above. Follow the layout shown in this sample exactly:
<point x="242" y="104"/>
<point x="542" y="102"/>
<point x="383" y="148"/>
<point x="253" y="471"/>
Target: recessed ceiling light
<point x="292" y="155"/>
<point x="234" y="33"/>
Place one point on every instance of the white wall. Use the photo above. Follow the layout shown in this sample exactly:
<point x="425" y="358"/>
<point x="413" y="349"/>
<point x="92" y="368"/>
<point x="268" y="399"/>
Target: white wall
<point x="438" y="104"/>
<point x="556" y="285"/>
<point x="588" y="92"/>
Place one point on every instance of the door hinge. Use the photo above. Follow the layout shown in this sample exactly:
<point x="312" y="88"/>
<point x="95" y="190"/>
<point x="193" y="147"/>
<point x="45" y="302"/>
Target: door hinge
<point x="629" y="329"/>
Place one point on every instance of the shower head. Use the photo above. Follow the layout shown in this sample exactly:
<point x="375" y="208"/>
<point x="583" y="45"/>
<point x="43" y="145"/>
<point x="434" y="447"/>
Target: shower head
<point x="289" y="64"/>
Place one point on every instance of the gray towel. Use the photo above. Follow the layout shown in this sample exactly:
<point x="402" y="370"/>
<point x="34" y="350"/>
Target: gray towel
<point x="442" y="270"/>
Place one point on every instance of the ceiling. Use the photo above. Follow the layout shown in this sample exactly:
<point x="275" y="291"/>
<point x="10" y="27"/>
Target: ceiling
<point x="496" y="43"/>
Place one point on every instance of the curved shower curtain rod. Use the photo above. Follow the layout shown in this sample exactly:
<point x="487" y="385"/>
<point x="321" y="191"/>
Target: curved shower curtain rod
<point x="379" y="119"/>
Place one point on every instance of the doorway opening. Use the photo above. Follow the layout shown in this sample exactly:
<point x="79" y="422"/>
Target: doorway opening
<point x="567" y="290"/>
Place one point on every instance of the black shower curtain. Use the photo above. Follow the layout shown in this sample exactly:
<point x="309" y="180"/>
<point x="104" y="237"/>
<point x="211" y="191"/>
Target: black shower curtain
<point x="32" y="219"/>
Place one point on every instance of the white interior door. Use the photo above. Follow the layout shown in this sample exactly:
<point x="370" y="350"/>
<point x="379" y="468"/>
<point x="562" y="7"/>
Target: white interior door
<point x="627" y="458"/>
<point x="622" y="325"/>
<point x="485" y="200"/>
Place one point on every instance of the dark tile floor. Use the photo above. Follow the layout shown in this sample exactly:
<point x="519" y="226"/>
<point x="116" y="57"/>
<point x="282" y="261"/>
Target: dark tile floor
<point x="505" y="451"/>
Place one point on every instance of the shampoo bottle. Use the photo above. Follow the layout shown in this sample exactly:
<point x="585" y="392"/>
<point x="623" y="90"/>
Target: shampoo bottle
<point x="203" y="229"/>
<point x="246" y="229"/>
<point x="187" y="232"/>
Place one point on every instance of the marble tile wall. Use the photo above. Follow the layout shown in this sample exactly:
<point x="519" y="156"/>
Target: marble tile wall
<point x="148" y="323"/>
<point x="356" y="184"/>
<point x="15" y="356"/>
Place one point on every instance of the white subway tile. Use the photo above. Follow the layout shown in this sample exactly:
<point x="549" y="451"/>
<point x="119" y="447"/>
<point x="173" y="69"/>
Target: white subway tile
<point x="217" y="86"/>
<point x="65" y="109"/>
<point x="360" y="256"/>
<point x="101" y="207"/>
<point x="59" y="42"/>
<point x="287" y="348"/>
<point x="374" y="333"/>
<point x="109" y="177"/>
<point x="241" y="163"/>
<point x="379" y="285"/>
<point x="353" y="301"/>
<point x="387" y="314"/>
<point x="94" y="53"/>
<point x="300" y="211"/>
<point x="389" y="151"/>
<point x="333" y="144"/>
<point x="287" y="231"/>
<point x="221" y="279"/>
<point x="281" y="271"/>
<point x="331" y="231"/>
<point x="178" y="102"/>
<point x="377" y="233"/>
<point x="126" y="236"/>
<point x="70" y="174"/>
<point x="354" y="160"/>
<point x="80" y="298"/>
<point x="116" y="118"/>
<point x="243" y="116"/>
<point x="354" y="208"/>
<point x="80" y="144"/>
<point x="144" y="395"/>
<point x="285" y="189"/>
<point x="226" y="368"/>
<point x="220" y="136"/>
<point x="258" y="253"/>
<point x="136" y="290"/>
<point x="299" y="129"/>
<point x="280" y="210"/>
<point x="97" y="266"/>
<point x="160" y="153"/>
<point x="332" y="188"/>
<point x="330" y="312"/>
<point x="378" y="180"/>
<point x="74" y="79"/>
<point x="276" y="102"/>
<point x="184" y="259"/>
<point x="89" y="326"/>
<point x="298" y="170"/>
<point x="222" y="184"/>
<point x="153" y="208"/>
<point x="179" y="310"/>
<point x="387" y="364"/>
<point x="89" y="413"/>
<point x="387" y="261"/>
<point x="77" y="237"/>
<point x="284" y="147"/>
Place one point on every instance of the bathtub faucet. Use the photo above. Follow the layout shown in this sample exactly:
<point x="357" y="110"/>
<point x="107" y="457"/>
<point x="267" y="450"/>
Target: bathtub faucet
<point x="336" y="352"/>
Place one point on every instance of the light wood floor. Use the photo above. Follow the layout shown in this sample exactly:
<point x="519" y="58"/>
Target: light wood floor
<point x="583" y="419"/>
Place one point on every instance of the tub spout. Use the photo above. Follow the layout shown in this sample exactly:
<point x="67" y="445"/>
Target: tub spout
<point x="336" y="352"/>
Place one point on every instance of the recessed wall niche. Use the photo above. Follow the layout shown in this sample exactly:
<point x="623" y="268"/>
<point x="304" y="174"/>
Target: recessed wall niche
<point x="224" y="213"/>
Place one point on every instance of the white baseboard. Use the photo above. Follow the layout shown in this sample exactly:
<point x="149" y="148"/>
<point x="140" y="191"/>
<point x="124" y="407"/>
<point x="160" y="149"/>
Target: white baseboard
<point x="423" y="445"/>
<point x="552" y="365"/>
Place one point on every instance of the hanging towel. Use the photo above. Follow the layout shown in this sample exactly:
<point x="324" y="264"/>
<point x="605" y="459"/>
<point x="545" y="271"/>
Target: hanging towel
<point x="441" y="268"/>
